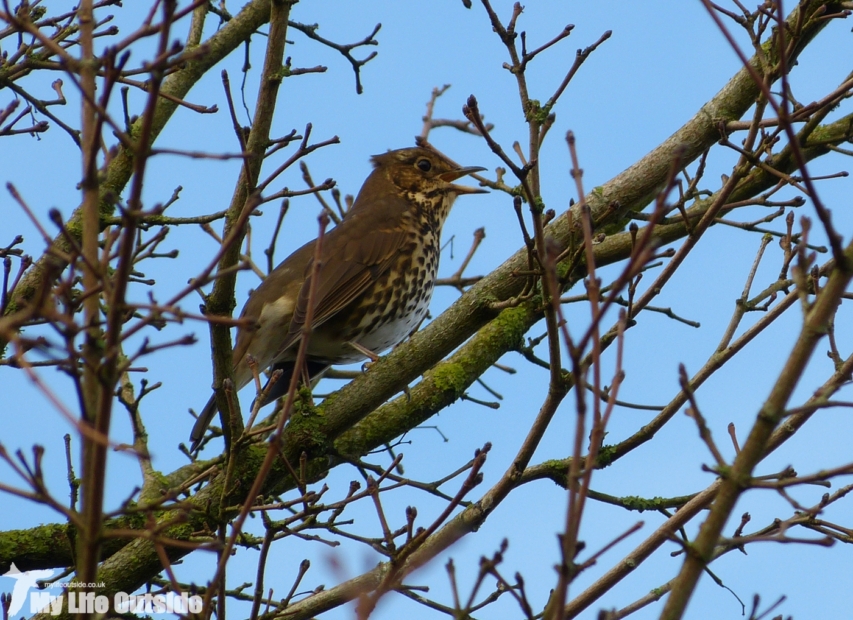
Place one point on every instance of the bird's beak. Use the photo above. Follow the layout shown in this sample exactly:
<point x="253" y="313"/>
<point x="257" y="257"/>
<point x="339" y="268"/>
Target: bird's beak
<point x="461" y="172"/>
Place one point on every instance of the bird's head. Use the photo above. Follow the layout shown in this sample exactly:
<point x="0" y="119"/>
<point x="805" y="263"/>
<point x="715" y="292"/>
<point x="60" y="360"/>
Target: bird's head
<point x="424" y="173"/>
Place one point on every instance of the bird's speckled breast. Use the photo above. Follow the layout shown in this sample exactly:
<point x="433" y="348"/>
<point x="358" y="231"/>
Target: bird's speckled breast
<point x="394" y="305"/>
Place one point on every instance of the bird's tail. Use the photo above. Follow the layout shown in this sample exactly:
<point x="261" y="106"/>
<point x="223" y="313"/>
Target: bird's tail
<point x="277" y="390"/>
<point x="202" y="422"/>
<point x="282" y="385"/>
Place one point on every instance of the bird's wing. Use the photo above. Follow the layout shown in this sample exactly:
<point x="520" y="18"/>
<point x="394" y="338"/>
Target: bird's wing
<point x="268" y="305"/>
<point x="359" y="262"/>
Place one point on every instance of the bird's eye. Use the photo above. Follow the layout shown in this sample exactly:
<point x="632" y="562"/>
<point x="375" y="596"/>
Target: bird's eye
<point x="424" y="165"/>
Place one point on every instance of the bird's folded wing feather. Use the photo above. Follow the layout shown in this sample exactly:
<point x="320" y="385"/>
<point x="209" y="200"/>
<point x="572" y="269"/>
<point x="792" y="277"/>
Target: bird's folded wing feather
<point x="343" y="280"/>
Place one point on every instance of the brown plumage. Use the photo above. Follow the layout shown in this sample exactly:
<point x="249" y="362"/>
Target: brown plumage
<point x="375" y="281"/>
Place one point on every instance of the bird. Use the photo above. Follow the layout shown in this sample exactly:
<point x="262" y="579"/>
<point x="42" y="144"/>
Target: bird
<point x="376" y="276"/>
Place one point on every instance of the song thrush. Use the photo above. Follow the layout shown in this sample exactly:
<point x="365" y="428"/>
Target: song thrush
<point x="375" y="282"/>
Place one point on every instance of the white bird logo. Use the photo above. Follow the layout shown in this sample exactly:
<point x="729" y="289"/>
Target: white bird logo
<point x="23" y="583"/>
